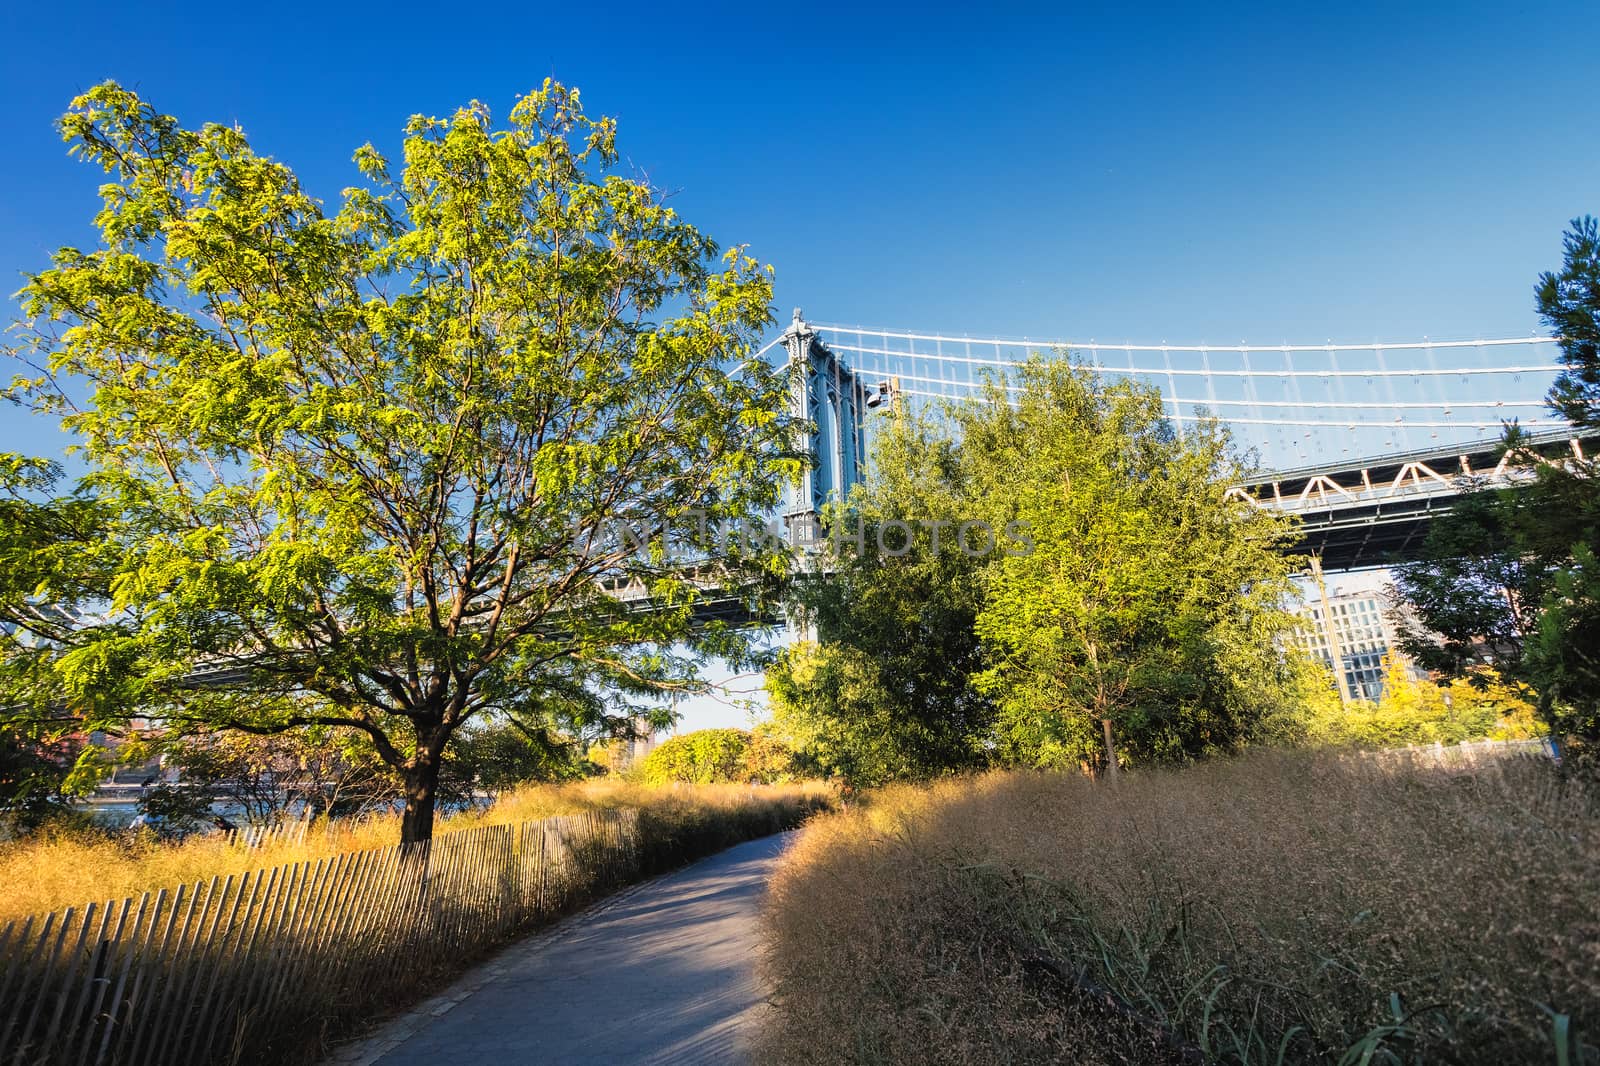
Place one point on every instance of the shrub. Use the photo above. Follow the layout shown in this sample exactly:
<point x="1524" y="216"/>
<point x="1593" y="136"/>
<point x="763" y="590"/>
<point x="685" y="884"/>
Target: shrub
<point x="703" y="757"/>
<point x="1479" y="706"/>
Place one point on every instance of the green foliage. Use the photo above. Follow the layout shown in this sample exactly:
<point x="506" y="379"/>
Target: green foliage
<point x="1509" y="577"/>
<point x="39" y="774"/>
<point x="829" y="703"/>
<point x="1128" y="602"/>
<point x="1144" y="617"/>
<point x="1480" y="706"/>
<point x="888" y="694"/>
<point x="371" y="461"/>
<point x="704" y="757"/>
<point x="1569" y="302"/>
<point x="174" y="811"/>
<point x="768" y="760"/>
<point x="492" y="756"/>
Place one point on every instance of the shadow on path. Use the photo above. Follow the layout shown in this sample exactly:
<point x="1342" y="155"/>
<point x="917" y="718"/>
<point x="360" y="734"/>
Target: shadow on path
<point x="662" y="973"/>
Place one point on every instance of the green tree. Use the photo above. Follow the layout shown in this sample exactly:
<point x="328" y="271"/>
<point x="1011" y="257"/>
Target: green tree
<point x="1569" y="303"/>
<point x="1473" y="595"/>
<point x="39" y="775"/>
<point x="1067" y="582"/>
<point x="1143" y="621"/>
<point x="366" y="466"/>
<point x="886" y="692"/>
<point x="703" y="757"/>
<point x="1510" y="577"/>
<point x="768" y="760"/>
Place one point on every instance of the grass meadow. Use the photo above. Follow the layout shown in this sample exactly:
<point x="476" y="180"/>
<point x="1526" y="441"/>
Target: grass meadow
<point x="1274" y="908"/>
<point x="54" y="869"/>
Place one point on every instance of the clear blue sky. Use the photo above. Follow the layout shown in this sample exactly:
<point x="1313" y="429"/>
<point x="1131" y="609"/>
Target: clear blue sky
<point x="1281" y="172"/>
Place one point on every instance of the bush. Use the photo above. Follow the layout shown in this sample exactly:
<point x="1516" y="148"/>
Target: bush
<point x="1265" y="909"/>
<point x="1479" y="706"/>
<point x="706" y="756"/>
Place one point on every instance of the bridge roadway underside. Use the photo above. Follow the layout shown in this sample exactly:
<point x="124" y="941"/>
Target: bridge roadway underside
<point x="1377" y="512"/>
<point x="1370" y="535"/>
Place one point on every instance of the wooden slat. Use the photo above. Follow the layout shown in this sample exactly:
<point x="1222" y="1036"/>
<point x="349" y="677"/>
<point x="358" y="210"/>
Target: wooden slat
<point x="368" y="919"/>
<point x="135" y="1013"/>
<point x="231" y="1004"/>
<point x="293" y="936"/>
<point x="261" y="958"/>
<point x="46" y="974"/>
<point x="82" y="1017"/>
<point x="231" y="955"/>
<point x="154" y="974"/>
<point x="174" y="964"/>
<point x="197" y="975"/>
<point x="372" y="873"/>
<point x="217" y="953"/>
<point x="115" y="1007"/>
<point x="341" y="931"/>
<point x="11" y="1004"/>
<point x="72" y="984"/>
<point x="197" y="960"/>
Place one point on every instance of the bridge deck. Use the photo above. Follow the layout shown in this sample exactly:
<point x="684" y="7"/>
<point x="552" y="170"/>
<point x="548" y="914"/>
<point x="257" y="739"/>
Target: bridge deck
<point x="1374" y="512"/>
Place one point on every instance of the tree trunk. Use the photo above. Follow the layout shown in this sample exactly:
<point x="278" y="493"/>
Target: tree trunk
<point x="421" y="780"/>
<point x="1111" y="749"/>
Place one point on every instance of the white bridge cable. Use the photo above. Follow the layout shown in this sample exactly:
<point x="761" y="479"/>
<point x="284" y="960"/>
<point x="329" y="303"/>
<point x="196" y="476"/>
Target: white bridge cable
<point x="1388" y="405"/>
<point x="1162" y="371"/>
<point x="1452" y="390"/>
<point x="1323" y="423"/>
<point x="1041" y="345"/>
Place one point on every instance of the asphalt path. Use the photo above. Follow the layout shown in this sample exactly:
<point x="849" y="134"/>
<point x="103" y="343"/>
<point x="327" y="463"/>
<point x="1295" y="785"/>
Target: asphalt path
<point x="661" y="973"/>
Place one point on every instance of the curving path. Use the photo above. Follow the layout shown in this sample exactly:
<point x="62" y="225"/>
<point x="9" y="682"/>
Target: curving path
<point x="661" y="973"/>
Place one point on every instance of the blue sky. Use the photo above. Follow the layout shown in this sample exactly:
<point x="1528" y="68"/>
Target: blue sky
<point x="1272" y="173"/>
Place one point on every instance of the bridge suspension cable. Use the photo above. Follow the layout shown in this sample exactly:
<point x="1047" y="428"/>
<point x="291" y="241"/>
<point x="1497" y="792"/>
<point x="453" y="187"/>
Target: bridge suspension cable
<point x="1043" y="345"/>
<point x="1291" y="402"/>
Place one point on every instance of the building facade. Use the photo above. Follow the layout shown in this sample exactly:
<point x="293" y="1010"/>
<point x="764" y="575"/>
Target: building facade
<point x="1351" y="633"/>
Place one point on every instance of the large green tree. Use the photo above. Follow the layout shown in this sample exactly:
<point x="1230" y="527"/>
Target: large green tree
<point x="1061" y="580"/>
<point x="885" y="691"/>
<point x="1512" y="575"/>
<point x="1143" y="622"/>
<point x="364" y="467"/>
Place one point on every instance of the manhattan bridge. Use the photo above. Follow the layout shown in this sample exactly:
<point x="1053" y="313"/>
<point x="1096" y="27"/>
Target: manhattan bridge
<point x="1365" y="442"/>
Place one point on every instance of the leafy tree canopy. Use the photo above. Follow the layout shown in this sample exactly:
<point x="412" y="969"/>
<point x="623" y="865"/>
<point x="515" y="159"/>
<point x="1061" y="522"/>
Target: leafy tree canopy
<point x="1511" y="577"/>
<point x="1126" y="608"/>
<point x="702" y="757"/>
<point x="364" y="465"/>
<point x="1143" y="623"/>
<point x="887" y="693"/>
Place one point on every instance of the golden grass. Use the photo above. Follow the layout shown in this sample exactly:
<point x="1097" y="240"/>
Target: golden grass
<point x="51" y="870"/>
<point x="1274" y="908"/>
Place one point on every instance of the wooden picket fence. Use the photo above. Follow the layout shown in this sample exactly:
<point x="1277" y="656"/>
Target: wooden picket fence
<point x="260" y="836"/>
<point x="271" y="965"/>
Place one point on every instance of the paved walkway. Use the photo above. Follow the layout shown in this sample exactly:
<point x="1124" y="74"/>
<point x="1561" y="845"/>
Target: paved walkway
<point x="662" y="973"/>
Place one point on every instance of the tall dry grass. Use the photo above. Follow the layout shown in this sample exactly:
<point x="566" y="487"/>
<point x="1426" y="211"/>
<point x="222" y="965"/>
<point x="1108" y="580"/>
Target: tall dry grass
<point x="1274" y="908"/>
<point x="55" y="869"/>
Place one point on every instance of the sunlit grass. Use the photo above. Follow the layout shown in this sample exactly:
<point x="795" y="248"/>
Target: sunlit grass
<point x="51" y="870"/>
<point x="1262" y="910"/>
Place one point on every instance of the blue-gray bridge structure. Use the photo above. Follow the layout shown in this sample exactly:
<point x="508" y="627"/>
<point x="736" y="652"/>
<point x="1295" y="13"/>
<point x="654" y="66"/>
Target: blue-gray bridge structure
<point x="1365" y="442"/>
